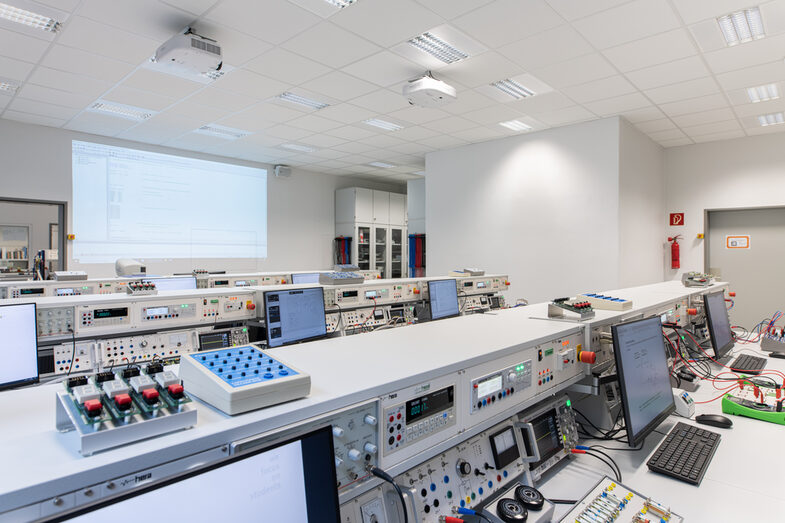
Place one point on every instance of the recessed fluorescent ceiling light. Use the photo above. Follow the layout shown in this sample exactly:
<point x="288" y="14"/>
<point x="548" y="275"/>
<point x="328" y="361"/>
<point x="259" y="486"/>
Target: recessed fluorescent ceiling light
<point x="438" y="48"/>
<point x="742" y="26"/>
<point x="222" y="132"/>
<point x="763" y="93"/>
<point x="383" y="124"/>
<point x="128" y="112"/>
<point x="8" y="86"/>
<point x="515" y="125"/>
<point x="340" y="3"/>
<point x="29" y="18"/>
<point x="771" y="119"/>
<point x="513" y="88"/>
<point x="420" y="173"/>
<point x="298" y="147"/>
<point x="381" y="165"/>
<point x="301" y="100"/>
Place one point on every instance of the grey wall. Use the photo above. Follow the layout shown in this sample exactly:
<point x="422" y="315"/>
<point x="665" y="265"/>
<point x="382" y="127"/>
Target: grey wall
<point x="642" y="241"/>
<point x="740" y="173"/>
<point x="37" y="165"/>
<point x="542" y="207"/>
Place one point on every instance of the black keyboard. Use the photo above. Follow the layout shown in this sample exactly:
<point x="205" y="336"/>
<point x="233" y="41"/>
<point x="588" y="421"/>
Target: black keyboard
<point x="748" y="364"/>
<point x="685" y="453"/>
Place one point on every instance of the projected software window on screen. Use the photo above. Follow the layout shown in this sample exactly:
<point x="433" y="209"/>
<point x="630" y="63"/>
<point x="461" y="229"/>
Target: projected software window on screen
<point x="137" y="204"/>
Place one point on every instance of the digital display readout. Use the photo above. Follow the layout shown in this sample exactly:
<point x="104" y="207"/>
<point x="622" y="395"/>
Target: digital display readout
<point x="430" y="403"/>
<point x="28" y="292"/>
<point x="157" y="311"/>
<point x="110" y="313"/>
<point x="349" y="294"/>
<point x="480" y="284"/>
<point x="63" y="292"/>
<point x="490" y="386"/>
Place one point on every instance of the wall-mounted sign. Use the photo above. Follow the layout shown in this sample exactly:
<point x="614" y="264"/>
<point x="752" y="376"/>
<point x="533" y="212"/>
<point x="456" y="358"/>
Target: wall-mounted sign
<point x="677" y="218"/>
<point x="737" y="242"/>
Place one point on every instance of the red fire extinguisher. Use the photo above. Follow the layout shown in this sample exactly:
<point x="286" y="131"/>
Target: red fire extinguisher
<point x="675" y="264"/>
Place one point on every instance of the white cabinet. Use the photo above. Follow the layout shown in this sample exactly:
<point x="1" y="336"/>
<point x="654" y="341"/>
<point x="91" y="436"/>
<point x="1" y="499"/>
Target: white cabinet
<point x="376" y="222"/>
<point x="354" y="205"/>
<point x="397" y="209"/>
<point x="381" y="207"/>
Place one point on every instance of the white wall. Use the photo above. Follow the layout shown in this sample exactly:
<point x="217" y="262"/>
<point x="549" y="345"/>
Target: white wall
<point x="415" y="202"/>
<point x="542" y="207"/>
<point x="642" y="239"/>
<point x="37" y="165"/>
<point x="745" y="172"/>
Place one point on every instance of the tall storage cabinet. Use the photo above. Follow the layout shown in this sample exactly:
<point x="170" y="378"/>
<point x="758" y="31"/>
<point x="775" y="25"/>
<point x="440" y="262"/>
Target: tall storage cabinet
<point x="376" y="222"/>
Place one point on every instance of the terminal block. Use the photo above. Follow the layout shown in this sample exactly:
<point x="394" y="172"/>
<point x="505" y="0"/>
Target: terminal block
<point x="567" y="309"/>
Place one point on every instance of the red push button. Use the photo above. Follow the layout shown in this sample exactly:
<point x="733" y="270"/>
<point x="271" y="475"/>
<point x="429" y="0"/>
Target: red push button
<point x="176" y="391"/>
<point x="92" y="407"/>
<point x="150" y="396"/>
<point x="123" y="401"/>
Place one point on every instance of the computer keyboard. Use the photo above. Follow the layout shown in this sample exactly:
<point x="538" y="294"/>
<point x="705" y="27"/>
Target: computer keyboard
<point x="748" y="364"/>
<point x="685" y="453"/>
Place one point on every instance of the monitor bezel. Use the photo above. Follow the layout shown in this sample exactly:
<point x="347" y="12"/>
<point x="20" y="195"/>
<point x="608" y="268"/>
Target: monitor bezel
<point x="303" y="340"/>
<point x="222" y="463"/>
<point x="430" y="299"/>
<point x="718" y="352"/>
<point x="291" y="277"/>
<point x="37" y="377"/>
<point x="634" y="439"/>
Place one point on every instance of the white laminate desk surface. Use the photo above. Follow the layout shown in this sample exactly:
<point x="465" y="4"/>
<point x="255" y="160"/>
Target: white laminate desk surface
<point x="743" y="482"/>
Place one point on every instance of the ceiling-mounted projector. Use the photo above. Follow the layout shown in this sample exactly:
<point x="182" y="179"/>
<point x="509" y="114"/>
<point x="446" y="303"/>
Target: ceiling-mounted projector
<point x="427" y="91"/>
<point x="191" y="53"/>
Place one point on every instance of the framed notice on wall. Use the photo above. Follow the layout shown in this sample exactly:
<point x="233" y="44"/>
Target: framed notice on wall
<point x="737" y="242"/>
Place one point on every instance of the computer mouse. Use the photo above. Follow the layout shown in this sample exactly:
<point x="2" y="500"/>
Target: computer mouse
<point x="715" y="420"/>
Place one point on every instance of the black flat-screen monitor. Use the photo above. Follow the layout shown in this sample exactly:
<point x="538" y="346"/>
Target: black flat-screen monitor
<point x="718" y="323"/>
<point x="294" y="315"/>
<point x="644" y="379"/>
<point x="294" y="480"/>
<point x="305" y="277"/>
<point x="443" y="298"/>
<point x="18" y="345"/>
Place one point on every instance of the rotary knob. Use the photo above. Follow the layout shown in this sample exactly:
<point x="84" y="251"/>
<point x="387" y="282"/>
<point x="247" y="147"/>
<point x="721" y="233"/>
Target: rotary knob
<point x="369" y="420"/>
<point x="338" y="432"/>
<point x="463" y="468"/>
<point x="370" y="448"/>
<point x="355" y="455"/>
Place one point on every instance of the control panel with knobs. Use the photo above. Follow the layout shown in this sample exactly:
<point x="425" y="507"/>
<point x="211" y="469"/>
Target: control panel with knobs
<point x="356" y="440"/>
<point x="465" y="475"/>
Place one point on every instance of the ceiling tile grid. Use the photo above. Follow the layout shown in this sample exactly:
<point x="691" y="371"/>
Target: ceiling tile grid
<point x="662" y="64"/>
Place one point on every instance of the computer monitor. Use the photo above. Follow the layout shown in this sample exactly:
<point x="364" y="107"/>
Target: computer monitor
<point x="294" y="315"/>
<point x="718" y="323"/>
<point x="305" y="277"/>
<point x="174" y="283"/>
<point x="443" y="298"/>
<point x="293" y="480"/>
<point x="18" y="345"/>
<point x="644" y="379"/>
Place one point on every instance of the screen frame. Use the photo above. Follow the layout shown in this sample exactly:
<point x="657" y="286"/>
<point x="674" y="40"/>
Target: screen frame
<point x="501" y="460"/>
<point x="294" y="274"/>
<point x="530" y="446"/>
<point x="267" y="326"/>
<point x="323" y="431"/>
<point x="37" y="378"/>
<point x="719" y="352"/>
<point x="430" y="298"/>
<point x="634" y="439"/>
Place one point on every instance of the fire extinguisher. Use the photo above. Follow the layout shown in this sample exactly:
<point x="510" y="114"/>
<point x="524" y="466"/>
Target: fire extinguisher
<point x="675" y="264"/>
